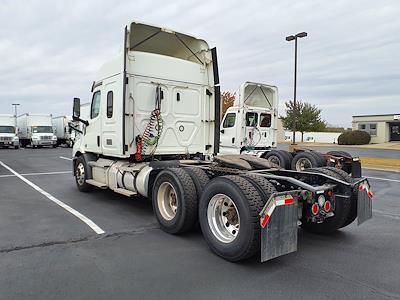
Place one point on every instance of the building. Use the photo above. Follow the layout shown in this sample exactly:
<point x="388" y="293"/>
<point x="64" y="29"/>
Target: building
<point x="382" y="128"/>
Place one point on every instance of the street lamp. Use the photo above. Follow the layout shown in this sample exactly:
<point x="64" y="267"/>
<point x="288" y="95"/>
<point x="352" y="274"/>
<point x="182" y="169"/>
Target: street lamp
<point x="291" y="38"/>
<point x="15" y="113"/>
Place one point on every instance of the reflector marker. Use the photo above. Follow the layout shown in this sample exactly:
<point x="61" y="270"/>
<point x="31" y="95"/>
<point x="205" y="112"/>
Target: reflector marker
<point x="267" y="216"/>
<point x="366" y="188"/>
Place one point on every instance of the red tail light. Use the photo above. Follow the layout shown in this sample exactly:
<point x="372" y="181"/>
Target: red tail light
<point x="315" y="208"/>
<point x="327" y="206"/>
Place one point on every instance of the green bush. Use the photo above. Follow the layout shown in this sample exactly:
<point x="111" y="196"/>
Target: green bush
<point x="356" y="137"/>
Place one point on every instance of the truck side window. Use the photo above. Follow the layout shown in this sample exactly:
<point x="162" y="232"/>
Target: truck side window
<point x="109" y="104"/>
<point x="95" y="109"/>
<point x="251" y="119"/>
<point x="229" y="120"/>
<point x="265" y="120"/>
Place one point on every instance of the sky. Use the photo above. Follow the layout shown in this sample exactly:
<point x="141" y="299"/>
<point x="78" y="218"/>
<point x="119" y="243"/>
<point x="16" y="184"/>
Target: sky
<point x="349" y="64"/>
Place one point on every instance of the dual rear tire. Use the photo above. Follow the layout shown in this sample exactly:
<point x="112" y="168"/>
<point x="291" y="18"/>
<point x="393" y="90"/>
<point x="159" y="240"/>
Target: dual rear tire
<point x="227" y="210"/>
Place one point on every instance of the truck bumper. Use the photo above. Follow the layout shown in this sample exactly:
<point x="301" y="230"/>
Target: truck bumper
<point x="280" y="216"/>
<point x="44" y="142"/>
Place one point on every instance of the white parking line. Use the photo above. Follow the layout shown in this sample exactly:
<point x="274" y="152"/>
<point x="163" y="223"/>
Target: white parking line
<point x="34" y="174"/>
<point x="68" y="208"/>
<point x="66" y="158"/>
<point x="384" y="179"/>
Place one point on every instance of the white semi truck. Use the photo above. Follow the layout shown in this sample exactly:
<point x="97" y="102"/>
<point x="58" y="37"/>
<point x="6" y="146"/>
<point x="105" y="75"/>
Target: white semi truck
<point x="62" y="130"/>
<point x="36" y="130"/>
<point x="8" y="132"/>
<point x="250" y="127"/>
<point x="153" y="130"/>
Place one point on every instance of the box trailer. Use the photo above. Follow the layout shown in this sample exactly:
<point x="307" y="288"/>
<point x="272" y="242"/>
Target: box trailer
<point x="250" y="127"/>
<point x="36" y="130"/>
<point x="62" y="130"/>
<point x="153" y="130"/>
<point x="8" y="132"/>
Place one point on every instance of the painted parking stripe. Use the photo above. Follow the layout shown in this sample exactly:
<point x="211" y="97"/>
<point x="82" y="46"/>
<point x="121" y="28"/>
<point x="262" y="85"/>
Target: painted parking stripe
<point x="384" y="179"/>
<point x="68" y="208"/>
<point x="34" y="174"/>
<point x="66" y="158"/>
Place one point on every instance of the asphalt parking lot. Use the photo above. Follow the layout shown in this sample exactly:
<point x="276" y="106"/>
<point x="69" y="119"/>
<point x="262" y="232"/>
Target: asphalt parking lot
<point x="47" y="252"/>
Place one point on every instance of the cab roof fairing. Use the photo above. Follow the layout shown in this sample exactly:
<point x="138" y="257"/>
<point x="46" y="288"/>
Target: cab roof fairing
<point x="158" y="40"/>
<point x="257" y="95"/>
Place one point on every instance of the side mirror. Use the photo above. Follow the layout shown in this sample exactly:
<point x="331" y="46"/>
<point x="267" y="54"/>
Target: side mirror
<point x="76" y="112"/>
<point x="222" y="130"/>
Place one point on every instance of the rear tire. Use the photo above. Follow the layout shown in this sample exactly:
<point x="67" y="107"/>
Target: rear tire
<point x="199" y="177"/>
<point x="354" y="195"/>
<point x="305" y="160"/>
<point x="174" y="201"/>
<point x="264" y="187"/>
<point x="331" y="224"/>
<point x="81" y="175"/>
<point x="279" y="158"/>
<point x="234" y="236"/>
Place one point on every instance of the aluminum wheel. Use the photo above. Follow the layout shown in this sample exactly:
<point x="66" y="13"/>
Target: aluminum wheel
<point x="80" y="174"/>
<point x="167" y="201"/>
<point x="303" y="163"/>
<point x="223" y="218"/>
<point x="275" y="160"/>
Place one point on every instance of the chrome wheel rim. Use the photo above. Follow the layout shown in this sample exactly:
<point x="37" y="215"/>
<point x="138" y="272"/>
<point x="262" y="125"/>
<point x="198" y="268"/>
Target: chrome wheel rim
<point x="275" y="160"/>
<point x="223" y="218"/>
<point x="167" y="201"/>
<point x="302" y="164"/>
<point x="80" y="174"/>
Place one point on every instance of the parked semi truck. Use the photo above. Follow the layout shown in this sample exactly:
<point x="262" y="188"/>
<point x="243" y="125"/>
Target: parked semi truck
<point x="250" y="127"/>
<point x="36" y="130"/>
<point x="153" y="130"/>
<point x="62" y="130"/>
<point x="8" y="132"/>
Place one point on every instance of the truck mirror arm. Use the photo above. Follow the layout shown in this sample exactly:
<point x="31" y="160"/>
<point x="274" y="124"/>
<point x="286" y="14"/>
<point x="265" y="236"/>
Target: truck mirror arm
<point x="74" y="128"/>
<point x="80" y="120"/>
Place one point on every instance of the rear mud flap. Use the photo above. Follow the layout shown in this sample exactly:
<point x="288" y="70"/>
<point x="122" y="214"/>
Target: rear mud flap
<point x="364" y="203"/>
<point x="278" y="226"/>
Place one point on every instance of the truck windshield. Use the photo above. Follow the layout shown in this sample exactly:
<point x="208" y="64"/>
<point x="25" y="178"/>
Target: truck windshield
<point x="7" y="129"/>
<point x="42" y="129"/>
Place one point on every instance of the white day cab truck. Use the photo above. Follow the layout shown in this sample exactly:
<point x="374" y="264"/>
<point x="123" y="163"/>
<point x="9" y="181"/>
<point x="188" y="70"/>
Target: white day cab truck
<point x="8" y="132"/>
<point x="153" y="131"/>
<point x="250" y="127"/>
<point x="36" y="130"/>
<point x="61" y="128"/>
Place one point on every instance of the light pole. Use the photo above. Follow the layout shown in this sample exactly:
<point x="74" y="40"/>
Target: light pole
<point x="291" y="38"/>
<point x="15" y="113"/>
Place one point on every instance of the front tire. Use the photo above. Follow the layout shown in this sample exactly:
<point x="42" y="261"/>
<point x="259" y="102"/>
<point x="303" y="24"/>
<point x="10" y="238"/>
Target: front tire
<point x="81" y="175"/>
<point x="174" y="201"/>
<point x="229" y="220"/>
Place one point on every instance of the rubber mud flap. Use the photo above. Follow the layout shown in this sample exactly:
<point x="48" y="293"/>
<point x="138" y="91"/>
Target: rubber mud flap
<point x="279" y="227"/>
<point x="364" y="203"/>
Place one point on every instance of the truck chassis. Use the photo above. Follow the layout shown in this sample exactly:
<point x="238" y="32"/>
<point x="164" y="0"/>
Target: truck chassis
<point x="244" y="204"/>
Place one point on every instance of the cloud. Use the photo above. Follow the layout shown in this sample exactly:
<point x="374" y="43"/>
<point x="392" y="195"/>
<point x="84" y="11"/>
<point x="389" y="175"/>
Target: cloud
<point x="51" y="50"/>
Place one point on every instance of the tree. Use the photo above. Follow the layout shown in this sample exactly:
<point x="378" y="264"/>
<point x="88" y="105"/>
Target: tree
<point x="228" y="99"/>
<point x="308" y="117"/>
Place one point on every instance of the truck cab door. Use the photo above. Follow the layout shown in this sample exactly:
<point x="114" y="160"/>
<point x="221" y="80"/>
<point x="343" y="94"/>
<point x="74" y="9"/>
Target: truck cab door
<point x="266" y="130"/>
<point x="228" y="139"/>
<point x="93" y="131"/>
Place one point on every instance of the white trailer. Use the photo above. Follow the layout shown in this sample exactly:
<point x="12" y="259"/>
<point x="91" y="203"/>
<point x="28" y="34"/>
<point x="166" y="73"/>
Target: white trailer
<point x="153" y="130"/>
<point x="250" y="127"/>
<point x="8" y="131"/>
<point x="36" y="130"/>
<point x="61" y="128"/>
